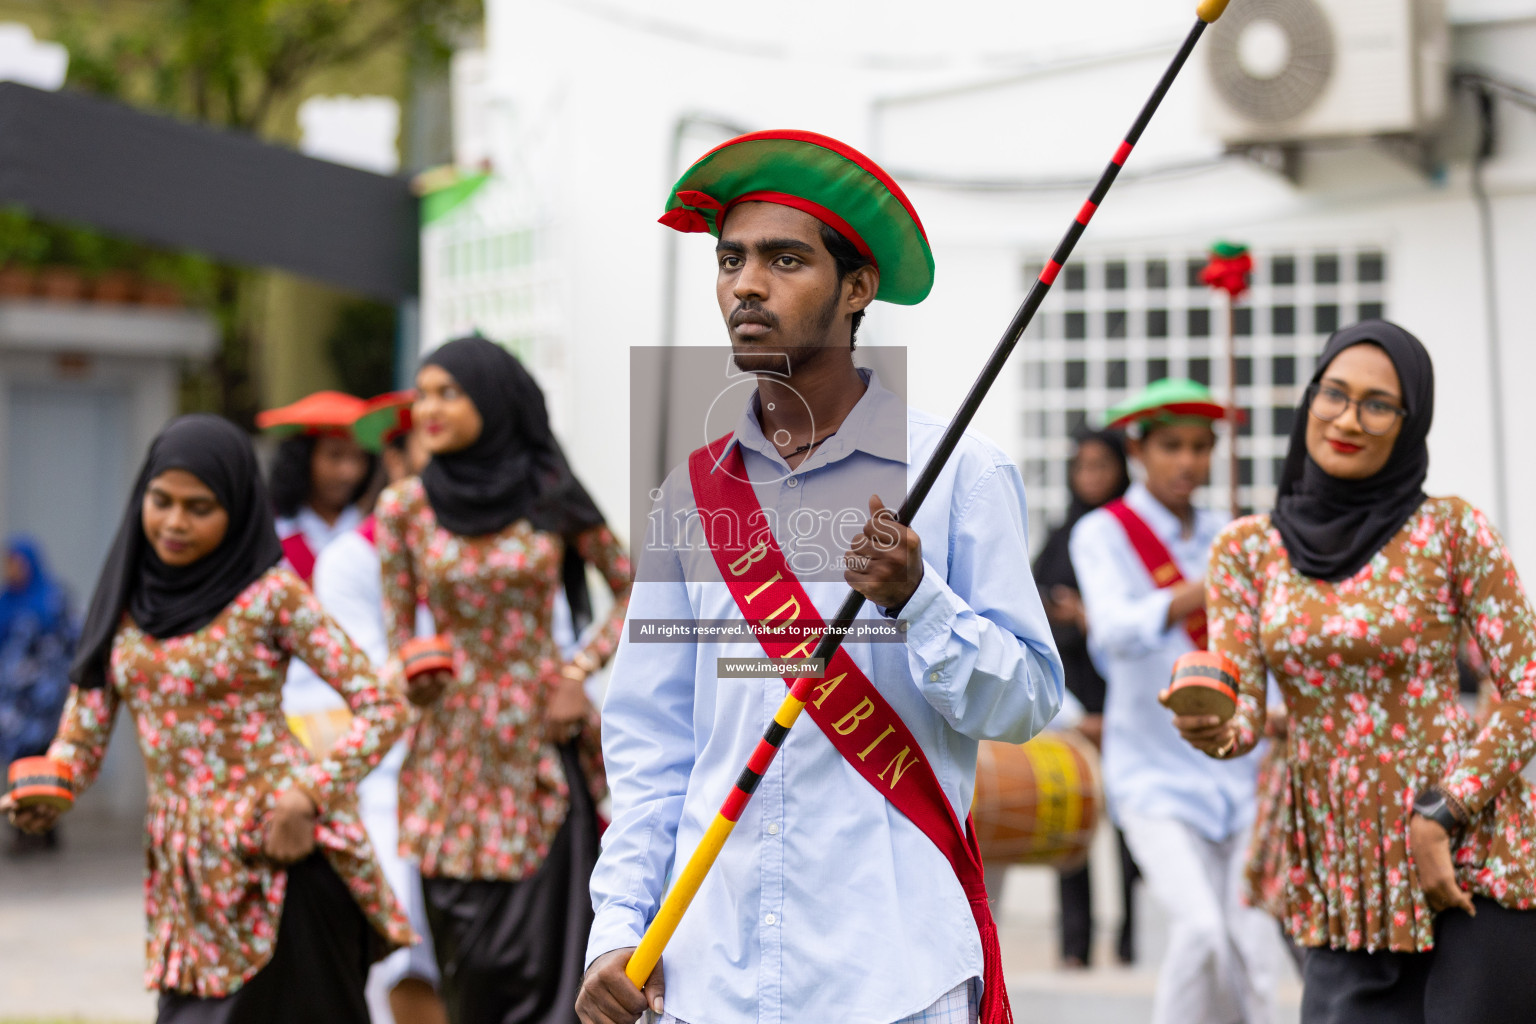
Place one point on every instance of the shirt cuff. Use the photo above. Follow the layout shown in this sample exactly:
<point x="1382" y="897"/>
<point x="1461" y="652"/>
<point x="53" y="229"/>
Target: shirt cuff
<point x="613" y="928"/>
<point x="316" y="783"/>
<point x="928" y="611"/>
<point x="1155" y="627"/>
<point x="1466" y="785"/>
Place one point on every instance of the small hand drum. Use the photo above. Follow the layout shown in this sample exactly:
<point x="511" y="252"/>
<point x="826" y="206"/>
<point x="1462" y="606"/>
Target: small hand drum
<point x="426" y="654"/>
<point x="41" y="782"/>
<point x="1204" y="683"/>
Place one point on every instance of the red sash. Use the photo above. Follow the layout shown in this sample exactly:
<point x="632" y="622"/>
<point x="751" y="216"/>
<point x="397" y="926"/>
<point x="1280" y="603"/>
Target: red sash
<point x="861" y="724"/>
<point x="300" y="557"/>
<point x="1159" y="563"/>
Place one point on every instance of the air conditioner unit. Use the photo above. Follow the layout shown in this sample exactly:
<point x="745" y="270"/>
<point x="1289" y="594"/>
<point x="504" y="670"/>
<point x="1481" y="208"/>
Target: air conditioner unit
<point x="1292" y="70"/>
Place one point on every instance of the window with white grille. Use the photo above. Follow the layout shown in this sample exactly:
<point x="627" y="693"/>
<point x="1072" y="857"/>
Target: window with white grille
<point x="488" y="266"/>
<point x="1116" y="322"/>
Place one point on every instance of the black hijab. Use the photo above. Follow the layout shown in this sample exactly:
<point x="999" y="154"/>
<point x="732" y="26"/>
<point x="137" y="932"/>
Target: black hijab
<point x="515" y="468"/>
<point x="164" y="600"/>
<point x="1054" y="569"/>
<point x="1054" y="566"/>
<point x="1333" y="527"/>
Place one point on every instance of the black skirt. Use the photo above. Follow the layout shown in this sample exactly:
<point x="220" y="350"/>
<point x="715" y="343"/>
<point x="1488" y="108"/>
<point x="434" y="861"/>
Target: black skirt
<point x="1481" y="971"/>
<point x="513" y="952"/>
<point x="318" y="968"/>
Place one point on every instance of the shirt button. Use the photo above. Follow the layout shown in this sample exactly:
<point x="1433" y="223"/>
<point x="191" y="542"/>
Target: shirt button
<point x="933" y="677"/>
<point x="794" y="481"/>
<point x="771" y="919"/>
<point x="773" y="828"/>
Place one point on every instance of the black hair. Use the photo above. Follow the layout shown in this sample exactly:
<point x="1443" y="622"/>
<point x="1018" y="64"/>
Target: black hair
<point x="848" y="259"/>
<point x="289" y="481"/>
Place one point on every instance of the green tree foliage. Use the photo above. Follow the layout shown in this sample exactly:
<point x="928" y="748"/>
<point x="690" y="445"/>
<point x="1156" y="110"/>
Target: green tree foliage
<point x="362" y="348"/>
<point x="234" y="62"/>
<point x="237" y="64"/>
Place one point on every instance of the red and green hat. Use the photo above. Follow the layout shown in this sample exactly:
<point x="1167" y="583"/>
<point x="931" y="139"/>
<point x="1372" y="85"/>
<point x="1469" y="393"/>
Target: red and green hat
<point x="384" y="418"/>
<point x="1167" y="401"/>
<point x="324" y="412"/>
<point x="833" y="182"/>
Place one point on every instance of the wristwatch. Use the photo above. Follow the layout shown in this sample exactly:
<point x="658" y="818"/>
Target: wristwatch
<point x="1441" y="808"/>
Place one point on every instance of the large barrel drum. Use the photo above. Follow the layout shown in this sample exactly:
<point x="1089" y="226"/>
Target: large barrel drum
<point x="1039" y="802"/>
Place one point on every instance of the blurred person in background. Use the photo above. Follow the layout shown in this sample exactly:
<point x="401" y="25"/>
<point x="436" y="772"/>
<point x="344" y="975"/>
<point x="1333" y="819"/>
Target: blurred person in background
<point x="263" y="900"/>
<point x="319" y="481"/>
<point x="320" y="475"/>
<point x="37" y="641"/>
<point x="1141" y="562"/>
<point x="498" y="792"/>
<point x="402" y="988"/>
<point x="1097" y="474"/>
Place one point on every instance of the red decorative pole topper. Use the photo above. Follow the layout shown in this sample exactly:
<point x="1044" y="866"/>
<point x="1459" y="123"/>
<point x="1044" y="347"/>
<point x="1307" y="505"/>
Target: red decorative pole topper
<point x="1228" y="271"/>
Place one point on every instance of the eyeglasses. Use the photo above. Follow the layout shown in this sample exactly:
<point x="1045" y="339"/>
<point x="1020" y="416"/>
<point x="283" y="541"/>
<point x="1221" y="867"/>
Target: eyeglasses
<point x="1375" y="415"/>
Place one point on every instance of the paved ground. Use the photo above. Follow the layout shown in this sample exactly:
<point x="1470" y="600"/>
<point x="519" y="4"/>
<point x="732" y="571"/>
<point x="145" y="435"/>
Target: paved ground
<point x="71" y="940"/>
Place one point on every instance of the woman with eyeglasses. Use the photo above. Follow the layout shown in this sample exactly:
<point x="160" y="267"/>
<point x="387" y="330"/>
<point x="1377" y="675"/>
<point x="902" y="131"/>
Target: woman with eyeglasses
<point x="1409" y="846"/>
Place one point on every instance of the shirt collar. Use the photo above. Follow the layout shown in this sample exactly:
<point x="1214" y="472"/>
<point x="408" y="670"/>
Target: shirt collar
<point x="318" y="532"/>
<point x="876" y="425"/>
<point x="1163" y="522"/>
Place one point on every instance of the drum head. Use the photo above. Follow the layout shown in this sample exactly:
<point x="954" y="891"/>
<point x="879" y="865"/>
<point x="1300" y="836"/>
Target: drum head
<point x="1195" y="696"/>
<point x="43" y="796"/>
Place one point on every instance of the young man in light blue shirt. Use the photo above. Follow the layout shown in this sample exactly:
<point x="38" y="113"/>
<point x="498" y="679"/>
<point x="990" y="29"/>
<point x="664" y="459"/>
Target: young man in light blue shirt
<point x="826" y="902"/>
<point x="1140" y="565"/>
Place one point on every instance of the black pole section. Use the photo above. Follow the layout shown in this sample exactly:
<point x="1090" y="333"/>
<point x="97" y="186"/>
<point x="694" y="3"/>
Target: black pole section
<point x="832" y="639"/>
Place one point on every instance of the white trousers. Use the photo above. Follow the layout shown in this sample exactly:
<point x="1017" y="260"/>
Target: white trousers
<point x="1222" y="959"/>
<point x="378" y="802"/>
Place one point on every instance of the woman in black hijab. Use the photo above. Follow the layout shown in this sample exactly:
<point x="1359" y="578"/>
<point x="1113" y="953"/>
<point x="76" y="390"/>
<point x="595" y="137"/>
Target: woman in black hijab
<point x="263" y="898"/>
<point x="1097" y="474"/>
<point x="498" y="791"/>
<point x="1409" y="836"/>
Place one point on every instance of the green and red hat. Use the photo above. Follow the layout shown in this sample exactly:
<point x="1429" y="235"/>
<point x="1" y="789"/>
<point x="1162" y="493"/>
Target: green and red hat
<point x="831" y="181"/>
<point x="384" y="419"/>
<point x="1167" y="401"/>
<point x="324" y="412"/>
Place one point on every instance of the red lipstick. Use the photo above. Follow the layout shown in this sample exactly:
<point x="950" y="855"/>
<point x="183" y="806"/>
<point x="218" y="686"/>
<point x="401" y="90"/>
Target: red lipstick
<point x="1344" y="447"/>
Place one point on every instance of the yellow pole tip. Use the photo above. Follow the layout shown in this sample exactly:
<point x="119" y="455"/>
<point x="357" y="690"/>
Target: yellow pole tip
<point x="1210" y="10"/>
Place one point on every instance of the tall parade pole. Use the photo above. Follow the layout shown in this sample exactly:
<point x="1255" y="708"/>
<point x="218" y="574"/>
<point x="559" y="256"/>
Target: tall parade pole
<point x="661" y="928"/>
<point x="1227" y="272"/>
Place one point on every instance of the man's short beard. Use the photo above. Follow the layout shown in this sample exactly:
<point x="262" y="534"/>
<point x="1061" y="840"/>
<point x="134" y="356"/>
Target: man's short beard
<point x="788" y="360"/>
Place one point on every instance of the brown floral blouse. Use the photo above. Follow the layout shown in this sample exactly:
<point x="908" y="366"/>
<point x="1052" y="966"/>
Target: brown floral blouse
<point x="208" y="712"/>
<point x="1368" y="670"/>
<point x="482" y="793"/>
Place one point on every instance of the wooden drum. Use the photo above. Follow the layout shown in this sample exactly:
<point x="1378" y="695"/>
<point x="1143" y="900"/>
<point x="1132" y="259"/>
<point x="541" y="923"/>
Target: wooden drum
<point x="41" y="781"/>
<point x="1037" y="803"/>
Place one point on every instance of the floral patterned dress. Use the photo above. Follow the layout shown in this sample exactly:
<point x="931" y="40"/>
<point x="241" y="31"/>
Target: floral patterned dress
<point x="1368" y="669"/>
<point x="207" y="708"/>
<point x="482" y="792"/>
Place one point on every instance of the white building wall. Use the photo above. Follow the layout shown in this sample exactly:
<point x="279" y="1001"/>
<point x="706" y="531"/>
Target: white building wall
<point x="584" y="98"/>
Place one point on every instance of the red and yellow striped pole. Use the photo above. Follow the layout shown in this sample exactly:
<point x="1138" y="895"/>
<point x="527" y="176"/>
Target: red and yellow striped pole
<point x="659" y="933"/>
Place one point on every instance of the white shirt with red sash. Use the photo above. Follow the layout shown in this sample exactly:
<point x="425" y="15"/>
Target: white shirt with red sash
<point x="826" y="904"/>
<point x="305" y="537"/>
<point x="1148" y="769"/>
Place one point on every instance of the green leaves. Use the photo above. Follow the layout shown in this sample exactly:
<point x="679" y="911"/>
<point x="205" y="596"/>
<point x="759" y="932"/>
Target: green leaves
<point x="238" y="63"/>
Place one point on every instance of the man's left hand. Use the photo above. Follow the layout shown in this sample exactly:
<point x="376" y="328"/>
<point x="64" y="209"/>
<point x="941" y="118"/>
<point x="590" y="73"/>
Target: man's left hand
<point x="885" y="563"/>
